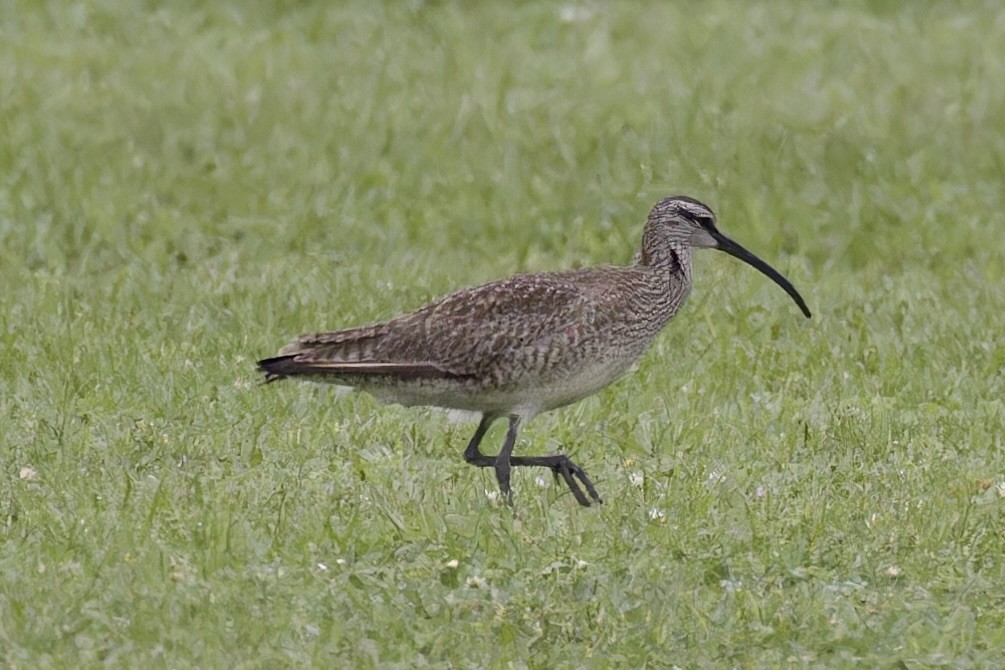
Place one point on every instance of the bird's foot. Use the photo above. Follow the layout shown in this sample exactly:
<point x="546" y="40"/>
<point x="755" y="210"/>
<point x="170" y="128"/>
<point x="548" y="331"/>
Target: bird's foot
<point x="562" y="466"/>
<point x="569" y="471"/>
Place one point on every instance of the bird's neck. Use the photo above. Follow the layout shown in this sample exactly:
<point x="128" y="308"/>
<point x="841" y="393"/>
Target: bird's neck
<point x="667" y="280"/>
<point x="665" y="256"/>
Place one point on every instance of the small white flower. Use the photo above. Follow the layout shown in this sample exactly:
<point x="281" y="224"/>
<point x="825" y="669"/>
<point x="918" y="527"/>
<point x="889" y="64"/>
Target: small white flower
<point x="1000" y="489"/>
<point x="581" y="563"/>
<point x="542" y="482"/>
<point x="475" y="582"/>
<point x="575" y="13"/>
<point x="322" y="566"/>
<point x="760" y="492"/>
<point x="656" y="514"/>
<point x="637" y="479"/>
<point x="892" y="571"/>
<point x="452" y="564"/>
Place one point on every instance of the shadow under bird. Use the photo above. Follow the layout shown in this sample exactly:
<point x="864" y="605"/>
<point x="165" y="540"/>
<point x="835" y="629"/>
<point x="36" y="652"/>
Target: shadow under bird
<point x="528" y="344"/>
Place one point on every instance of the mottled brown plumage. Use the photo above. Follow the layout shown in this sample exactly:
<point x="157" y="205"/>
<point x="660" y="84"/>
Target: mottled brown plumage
<point x="531" y="343"/>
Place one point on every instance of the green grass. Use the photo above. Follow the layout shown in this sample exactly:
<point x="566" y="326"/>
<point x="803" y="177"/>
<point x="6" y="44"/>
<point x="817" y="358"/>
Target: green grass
<point x="184" y="187"/>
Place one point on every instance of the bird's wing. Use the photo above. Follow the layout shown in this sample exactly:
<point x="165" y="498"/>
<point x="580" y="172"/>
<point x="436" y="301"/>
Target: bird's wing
<point x="464" y="334"/>
<point x="350" y="352"/>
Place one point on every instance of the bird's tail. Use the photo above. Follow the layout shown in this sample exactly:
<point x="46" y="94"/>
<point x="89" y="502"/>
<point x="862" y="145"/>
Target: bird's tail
<point x="297" y="365"/>
<point x="278" y="367"/>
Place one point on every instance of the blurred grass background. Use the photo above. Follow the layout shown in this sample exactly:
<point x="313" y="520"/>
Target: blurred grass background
<point x="184" y="186"/>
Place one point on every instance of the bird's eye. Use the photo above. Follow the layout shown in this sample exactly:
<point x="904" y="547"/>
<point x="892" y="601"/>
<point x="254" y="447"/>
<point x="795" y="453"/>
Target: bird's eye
<point x="700" y="219"/>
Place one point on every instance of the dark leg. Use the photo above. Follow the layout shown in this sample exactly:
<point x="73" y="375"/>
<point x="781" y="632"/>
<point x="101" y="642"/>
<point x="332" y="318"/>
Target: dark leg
<point x="501" y="463"/>
<point x="559" y="464"/>
<point x="472" y="454"/>
<point x="503" y="460"/>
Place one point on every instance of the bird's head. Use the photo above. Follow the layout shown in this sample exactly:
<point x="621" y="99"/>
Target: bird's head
<point x="680" y="223"/>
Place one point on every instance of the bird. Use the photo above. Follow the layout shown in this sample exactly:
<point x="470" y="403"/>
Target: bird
<point x="517" y="347"/>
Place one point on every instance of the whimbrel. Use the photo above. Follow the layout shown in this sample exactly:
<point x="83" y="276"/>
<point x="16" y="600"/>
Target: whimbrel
<point x="528" y="344"/>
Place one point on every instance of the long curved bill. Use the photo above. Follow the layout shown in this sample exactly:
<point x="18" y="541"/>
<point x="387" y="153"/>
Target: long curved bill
<point x="732" y="248"/>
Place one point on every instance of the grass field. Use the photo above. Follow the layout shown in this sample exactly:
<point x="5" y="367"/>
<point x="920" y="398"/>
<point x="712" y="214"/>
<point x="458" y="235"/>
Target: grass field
<point x="185" y="186"/>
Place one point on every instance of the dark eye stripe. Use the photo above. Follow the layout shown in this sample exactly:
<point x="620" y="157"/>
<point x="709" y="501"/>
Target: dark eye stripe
<point x="701" y="218"/>
<point x="694" y="211"/>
